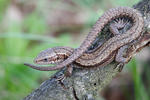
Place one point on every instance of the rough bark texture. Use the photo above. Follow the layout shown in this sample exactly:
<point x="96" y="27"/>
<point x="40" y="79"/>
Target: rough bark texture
<point x="84" y="84"/>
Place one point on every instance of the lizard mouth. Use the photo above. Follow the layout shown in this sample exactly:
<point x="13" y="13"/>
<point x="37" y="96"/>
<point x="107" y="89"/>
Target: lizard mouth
<point x="43" y="63"/>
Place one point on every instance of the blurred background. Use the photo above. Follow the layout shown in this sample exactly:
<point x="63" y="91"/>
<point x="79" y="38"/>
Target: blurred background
<point x="29" y="26"/>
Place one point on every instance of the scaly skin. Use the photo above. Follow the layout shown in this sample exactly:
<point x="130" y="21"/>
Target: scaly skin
<point x="58" y="54"/>
<point x="109" y="46"/>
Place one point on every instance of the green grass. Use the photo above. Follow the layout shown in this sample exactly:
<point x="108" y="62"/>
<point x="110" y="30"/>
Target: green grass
<point x="18" y="47"/>
<point x="139" y="89"/>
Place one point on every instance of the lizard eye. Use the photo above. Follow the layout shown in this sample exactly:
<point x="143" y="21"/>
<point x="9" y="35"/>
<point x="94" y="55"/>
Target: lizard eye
<point x="57" y="58"/>
<point x="45" y="60"/>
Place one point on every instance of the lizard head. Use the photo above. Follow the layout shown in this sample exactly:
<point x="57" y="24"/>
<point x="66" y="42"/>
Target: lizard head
<point x="49" y="56"/>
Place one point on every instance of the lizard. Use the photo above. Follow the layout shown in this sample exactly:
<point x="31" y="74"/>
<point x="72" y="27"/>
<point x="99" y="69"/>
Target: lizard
<point x="58" y="54"/>
<point x="109" y="47"/>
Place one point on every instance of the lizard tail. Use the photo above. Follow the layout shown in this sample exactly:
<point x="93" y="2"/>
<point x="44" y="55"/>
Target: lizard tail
<point x="48" y="68"/>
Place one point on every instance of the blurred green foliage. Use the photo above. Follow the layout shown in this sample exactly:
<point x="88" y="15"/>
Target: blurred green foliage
<point x="139" y="88"/>
<point x="21" y="41"/>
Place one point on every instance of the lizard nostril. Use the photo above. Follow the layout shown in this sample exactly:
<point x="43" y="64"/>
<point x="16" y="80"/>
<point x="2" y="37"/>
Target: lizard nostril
<point x="35" y="61"/>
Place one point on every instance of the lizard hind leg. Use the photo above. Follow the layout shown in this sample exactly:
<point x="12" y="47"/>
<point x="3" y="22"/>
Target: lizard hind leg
<point x="118" y="25"/>
<point x="67" y="73"/>
<point x="122" y="57"/>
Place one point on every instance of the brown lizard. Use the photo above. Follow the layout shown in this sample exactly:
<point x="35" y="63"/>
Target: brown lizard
<point x="58" y="54"/>
<point x="112" y="44"/>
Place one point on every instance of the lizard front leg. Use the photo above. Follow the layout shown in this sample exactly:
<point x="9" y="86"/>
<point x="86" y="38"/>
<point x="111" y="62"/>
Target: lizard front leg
<point x="67" y="73"/>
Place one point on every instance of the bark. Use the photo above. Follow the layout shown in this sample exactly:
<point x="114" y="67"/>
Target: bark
<point x="84" y="84"/>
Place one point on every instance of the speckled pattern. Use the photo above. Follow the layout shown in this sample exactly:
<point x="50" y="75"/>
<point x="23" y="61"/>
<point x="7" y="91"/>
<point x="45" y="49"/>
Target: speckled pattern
<point x="109" y="46"/>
